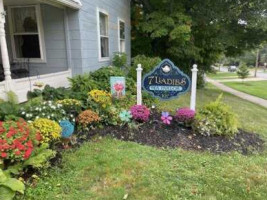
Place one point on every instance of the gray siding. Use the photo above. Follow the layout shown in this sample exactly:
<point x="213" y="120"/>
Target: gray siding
<point x="55" y="42"/>
<point x="89" y="33"/>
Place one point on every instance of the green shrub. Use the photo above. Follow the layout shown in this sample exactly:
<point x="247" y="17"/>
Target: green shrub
<point x="119" y="60"/>
<point x="216" y="118"/>
<point x="50" y="93"/>
<point x="148" y="64"/>
<point x="10" y="108"/>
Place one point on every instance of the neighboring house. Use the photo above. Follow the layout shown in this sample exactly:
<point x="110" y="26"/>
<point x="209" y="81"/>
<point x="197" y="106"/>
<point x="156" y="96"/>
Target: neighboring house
<point x="50" y="40"/>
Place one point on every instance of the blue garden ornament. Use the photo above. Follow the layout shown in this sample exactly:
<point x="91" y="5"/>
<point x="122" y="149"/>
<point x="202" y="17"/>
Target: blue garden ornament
<point x="67" y="129"/>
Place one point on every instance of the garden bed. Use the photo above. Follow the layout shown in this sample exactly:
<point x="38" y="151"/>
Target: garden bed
<point x="155" y="133"/>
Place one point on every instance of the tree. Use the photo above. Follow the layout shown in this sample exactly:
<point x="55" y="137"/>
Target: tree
<point x="197" y="31"/>
<point x="243" y="72"/>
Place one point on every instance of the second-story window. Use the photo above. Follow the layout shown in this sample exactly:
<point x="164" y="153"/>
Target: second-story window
<point x="121" y="36"/>
<point x="104" y="38"/>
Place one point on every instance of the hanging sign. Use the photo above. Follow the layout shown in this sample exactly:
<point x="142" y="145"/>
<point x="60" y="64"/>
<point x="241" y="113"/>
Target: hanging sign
<point x="117" y="86"/>
<point x="166" y="81"/>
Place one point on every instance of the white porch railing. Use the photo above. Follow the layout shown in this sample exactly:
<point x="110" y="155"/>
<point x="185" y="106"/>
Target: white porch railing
<point x="22" y="86"/>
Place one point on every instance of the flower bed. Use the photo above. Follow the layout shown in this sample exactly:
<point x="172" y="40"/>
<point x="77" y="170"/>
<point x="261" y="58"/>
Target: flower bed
<point x="33" y="134"/>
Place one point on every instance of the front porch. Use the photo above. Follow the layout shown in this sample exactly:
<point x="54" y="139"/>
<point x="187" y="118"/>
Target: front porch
<point x="35" y="45"/>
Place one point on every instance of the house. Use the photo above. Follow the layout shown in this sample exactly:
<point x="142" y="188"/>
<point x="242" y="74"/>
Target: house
<point x="50" y="40"/>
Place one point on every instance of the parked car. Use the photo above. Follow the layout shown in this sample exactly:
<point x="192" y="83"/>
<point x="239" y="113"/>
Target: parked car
<point x="232" y="68"/>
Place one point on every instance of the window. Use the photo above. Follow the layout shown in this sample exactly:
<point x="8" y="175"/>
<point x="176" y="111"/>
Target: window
<point x="121" y="36"/>
<point x="26" y="36"/>
<point x="104" y="38"/>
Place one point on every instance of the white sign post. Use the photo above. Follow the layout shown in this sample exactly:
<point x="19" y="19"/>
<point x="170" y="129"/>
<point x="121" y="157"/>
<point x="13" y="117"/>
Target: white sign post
<point x="194" y="88"/>
<point x="139" y="84"/>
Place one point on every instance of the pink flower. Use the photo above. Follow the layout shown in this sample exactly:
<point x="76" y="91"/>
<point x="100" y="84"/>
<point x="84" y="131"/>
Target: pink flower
<point x="140" y="113"/>
<point x="166" y="118"/>
<point x="118" y="86"/>
<point x="185" y="115"/>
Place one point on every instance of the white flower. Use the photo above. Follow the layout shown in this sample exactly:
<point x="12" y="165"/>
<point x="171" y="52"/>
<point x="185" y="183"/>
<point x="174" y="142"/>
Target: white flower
<point x="71" y="115"/>
<point x="27" y="115"/>
<point x="73" y="120"/>
<point x="43" y="114"/>
<point x="37" y="117"/>
<point x="48" y="117"/>
<point x="53" y="107"/>
<point x="52" y="115"/>
<point x="23" y="113"/>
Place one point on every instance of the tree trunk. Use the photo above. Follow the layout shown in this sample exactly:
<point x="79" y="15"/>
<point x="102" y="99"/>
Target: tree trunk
<point x="257" y="62"/>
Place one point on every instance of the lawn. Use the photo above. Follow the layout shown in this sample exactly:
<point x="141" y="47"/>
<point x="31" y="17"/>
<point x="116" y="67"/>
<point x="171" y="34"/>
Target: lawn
<point x="223" y="75"/>
<point x="110" y="169"/>
<point x="255" y="88"/>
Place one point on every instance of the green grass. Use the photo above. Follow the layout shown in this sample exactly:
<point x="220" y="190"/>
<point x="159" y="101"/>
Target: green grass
<point x="108" y="169"/>
<point x="255" y="88"/>
<point x="223" y="75"/>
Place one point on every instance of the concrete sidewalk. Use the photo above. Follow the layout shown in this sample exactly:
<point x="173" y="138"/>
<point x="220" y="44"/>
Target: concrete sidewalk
<point x="242" y="95"/>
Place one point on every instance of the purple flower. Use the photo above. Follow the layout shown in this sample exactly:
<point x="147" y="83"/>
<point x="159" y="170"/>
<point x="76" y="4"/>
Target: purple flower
<point x="185" y="115"/>
<point x="140" y="113"/>
<point x="166" y="118"/>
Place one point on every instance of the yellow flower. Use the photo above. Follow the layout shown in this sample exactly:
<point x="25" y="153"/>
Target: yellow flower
<point x="50" y="130"/>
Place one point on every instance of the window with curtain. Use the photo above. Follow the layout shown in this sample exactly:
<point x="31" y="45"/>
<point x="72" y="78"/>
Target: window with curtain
<point x="104" y="38"/>
<point x="25" y="32"/>
<point x="122" y="36"/>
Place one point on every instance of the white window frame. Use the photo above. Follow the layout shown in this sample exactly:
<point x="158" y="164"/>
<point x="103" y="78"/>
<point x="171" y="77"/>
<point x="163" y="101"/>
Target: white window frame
<point x="102" y="59"/>
<point x="119" y="35"/>
<point x="40" y="34"/>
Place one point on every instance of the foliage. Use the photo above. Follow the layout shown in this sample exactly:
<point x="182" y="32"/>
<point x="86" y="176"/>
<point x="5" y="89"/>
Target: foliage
<point x="88" y="118"/>
<point x="49" y="130"/>
<point x="40" y="157"/>
<point x="50" y="93"/>
<point x="71" y="106"/>
<point x="17" y="140"/>
<point x="10" y="108"/>
<point x="189" y="32"/>
<point x="140" y="113"/>
<point x="83" y="82"/>
<point x="9" y="186"/>
<point x="185" y="116"/>
<point x="148" y="64"/>
<point x="243" y="71"/>
<point x="119" y="60"/>
<point x="101" y="97"/>
<point x="216" y="118"/>
<point x="125" y="116"/>
<point x="47" y="109"/>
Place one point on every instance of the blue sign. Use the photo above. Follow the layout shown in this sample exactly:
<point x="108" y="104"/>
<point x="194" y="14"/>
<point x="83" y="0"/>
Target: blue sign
<point x="166" y="81"/>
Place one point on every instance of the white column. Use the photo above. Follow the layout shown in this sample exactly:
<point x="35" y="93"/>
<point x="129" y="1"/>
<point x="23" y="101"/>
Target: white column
<point x="3" y="44"/>
<point x="194" y="88"/>
<point x="139" y="84"/>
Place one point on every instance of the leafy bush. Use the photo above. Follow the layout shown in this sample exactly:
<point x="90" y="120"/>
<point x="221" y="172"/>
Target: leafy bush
<point x="50" y="93"/>
<point x="140" y="113"/>
<point x="148" y="64"/>
<point x="100" y="79"/>
<point x="243" y="71"/>
<point x="119" y="60"/>
<point x="216" y="118"/>
<point x="71" y="106"/>
<point x="88" y="118"/>
<point x="185" y="116"/>
<point x="47" y="109"/>
<point x="49" y="130"/>
<point x="10" y="108"/>
<point x="16" y="140"/>
<point x="101" y="97"/>
<point x="9" y="186"/>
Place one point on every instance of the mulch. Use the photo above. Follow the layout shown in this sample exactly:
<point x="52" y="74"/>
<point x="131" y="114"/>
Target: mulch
<point x="157" y="134"/>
